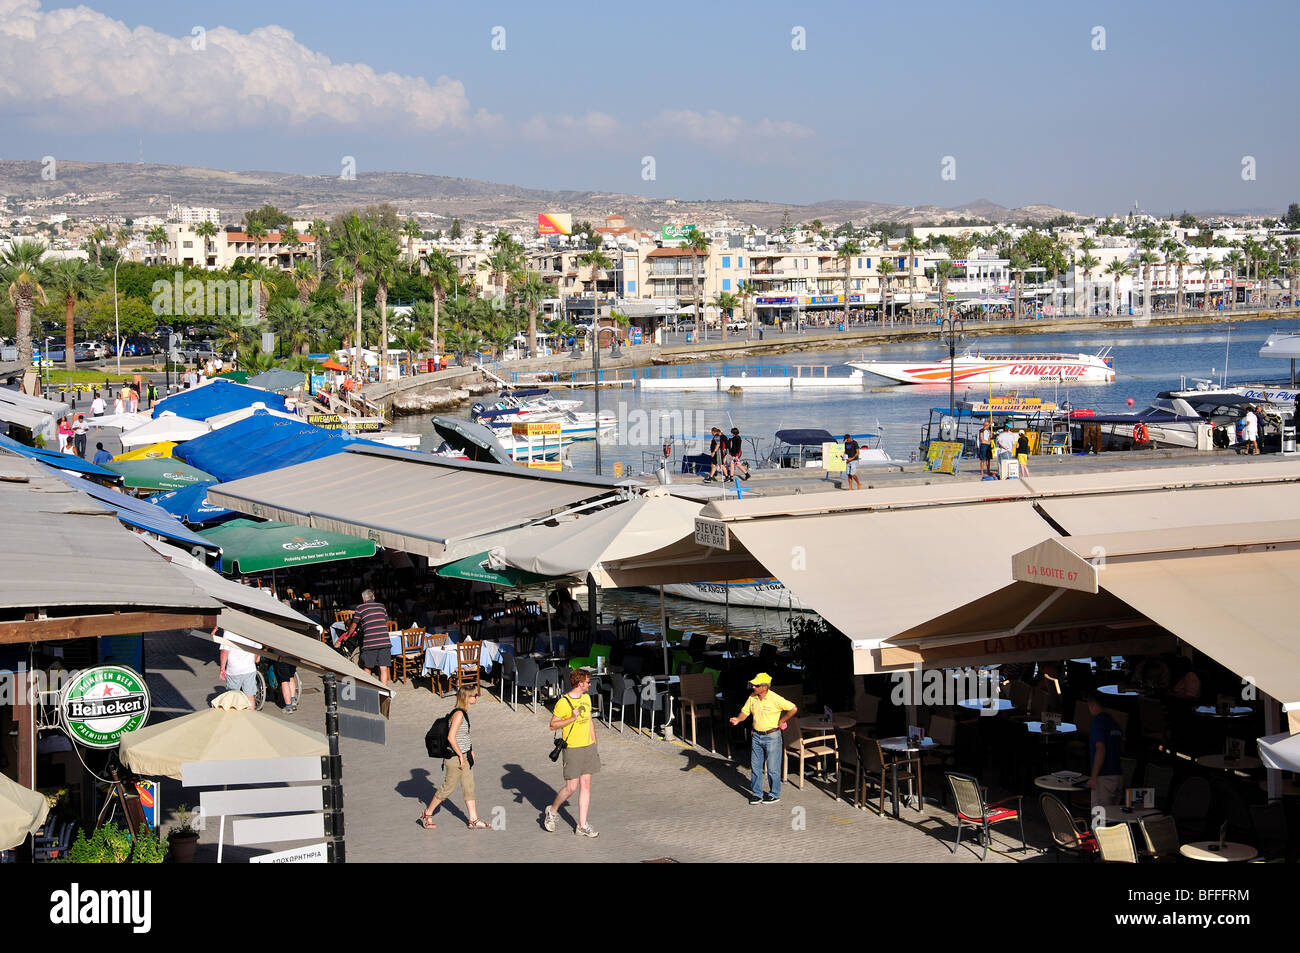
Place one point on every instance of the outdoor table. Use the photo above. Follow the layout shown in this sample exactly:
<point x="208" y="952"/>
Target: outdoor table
<point x="1118" y="691"/>
<point x="1221" y="762"/>
<point x="1209" y="850"/>
<point x="1072" y="783"/>
<point x="1121" y="815"/>
<point x="901" y="745"/>
<point x="838" y="722"/>
<point x="986" y="704"/>
<point x="1064" y="728"/>
<point x="1240" y="711"/>
<point x="446" y="660"/>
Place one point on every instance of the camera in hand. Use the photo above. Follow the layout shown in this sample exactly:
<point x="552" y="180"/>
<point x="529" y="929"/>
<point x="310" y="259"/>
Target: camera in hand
<point x="560" y="745"/>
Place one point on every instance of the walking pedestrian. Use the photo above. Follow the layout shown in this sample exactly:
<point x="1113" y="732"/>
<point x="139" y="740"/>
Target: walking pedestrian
<point x="458" y="769"/>
<point x="79" y="431"/>
<point x="371" y="618"/>
<point x="717" y="456"/>
<point x="119" y="405"/>
<point x="97" y="406"/>
<point x="238" y="668"/>
<point x="1022" y="453"/>
<point x="572" y="716"/>
<point x="734" y="447"/>
<point x="133" y="399"/>
<point x="1105" y="745"/>
<point x="771" y="714"/>
<point x="852" y="454"/>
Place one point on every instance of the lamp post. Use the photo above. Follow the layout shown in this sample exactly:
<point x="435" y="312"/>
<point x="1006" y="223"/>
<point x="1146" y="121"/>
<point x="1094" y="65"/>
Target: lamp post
<point x="951" y="332"/>
<point x="117" y="331"/>
<point x="46" y="361"/>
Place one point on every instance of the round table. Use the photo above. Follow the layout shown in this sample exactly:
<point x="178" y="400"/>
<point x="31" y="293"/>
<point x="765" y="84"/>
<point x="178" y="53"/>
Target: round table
<point x="1240" y="711"/>
<point x="1118" y="815"/>
<point x="1119" y="692"/>
<point x="838" y="722"/>
<point x="1209" y="850"/>
<point x="1050" y="782"/>
<point x="1064" y="728"/>
<point x="986" y="704"/>
<point x="1221" y="762"/>
<point x="901" y="745"/>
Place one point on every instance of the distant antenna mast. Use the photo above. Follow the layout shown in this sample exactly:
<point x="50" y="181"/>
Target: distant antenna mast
<point x="141" y="162"/>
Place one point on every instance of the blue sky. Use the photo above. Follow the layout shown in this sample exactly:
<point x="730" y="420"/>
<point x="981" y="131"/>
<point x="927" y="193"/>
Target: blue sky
<point x="714" y="92"/>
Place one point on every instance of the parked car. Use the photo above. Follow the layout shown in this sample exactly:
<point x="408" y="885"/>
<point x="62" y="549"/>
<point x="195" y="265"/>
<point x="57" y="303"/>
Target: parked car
<point x="195" y="352"/>
<point x="737" y="325"/>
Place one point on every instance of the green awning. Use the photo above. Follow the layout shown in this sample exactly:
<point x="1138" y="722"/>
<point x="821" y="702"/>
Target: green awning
<point x="159" y="474"/>
<point x="474" y="568"/>
<point x="249" y="546"/>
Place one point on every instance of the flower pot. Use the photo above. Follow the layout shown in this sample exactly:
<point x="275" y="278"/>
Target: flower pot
<point x="182" y="846"/>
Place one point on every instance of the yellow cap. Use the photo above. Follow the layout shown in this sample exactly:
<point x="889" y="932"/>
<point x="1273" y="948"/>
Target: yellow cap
<point x="762" y="678"/>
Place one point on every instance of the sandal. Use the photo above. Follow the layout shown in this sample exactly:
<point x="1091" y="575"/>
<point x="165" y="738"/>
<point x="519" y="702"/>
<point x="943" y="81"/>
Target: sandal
<point x="426" y="820"/>
<point x="478" y="824"/>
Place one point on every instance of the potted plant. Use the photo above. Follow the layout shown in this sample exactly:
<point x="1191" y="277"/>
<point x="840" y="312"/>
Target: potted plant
<point x="183" y="838"/>
<point x="110" y="844"/>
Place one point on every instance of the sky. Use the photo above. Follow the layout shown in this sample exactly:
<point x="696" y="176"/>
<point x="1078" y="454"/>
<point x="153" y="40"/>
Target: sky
<point x="1088" y="106"/>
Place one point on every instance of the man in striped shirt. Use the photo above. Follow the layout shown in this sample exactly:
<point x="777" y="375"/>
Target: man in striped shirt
<point x="372" y="619"/>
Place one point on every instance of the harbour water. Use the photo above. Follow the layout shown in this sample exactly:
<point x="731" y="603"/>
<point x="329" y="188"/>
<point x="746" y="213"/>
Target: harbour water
<point x="1146" y="360"/>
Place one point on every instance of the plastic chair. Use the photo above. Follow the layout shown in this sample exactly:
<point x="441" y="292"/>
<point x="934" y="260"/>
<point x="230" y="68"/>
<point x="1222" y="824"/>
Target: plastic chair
<point x="534" y="678"/>
<point x="622" y="692"/>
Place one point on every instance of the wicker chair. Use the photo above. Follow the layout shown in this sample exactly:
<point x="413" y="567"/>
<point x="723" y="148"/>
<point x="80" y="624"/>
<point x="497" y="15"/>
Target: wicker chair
<point x="698" y="700"/>
<point x="1116" y="844"/>
<point x="968" y="796"/>
<point x="1160" y="832"/>
<point x="1069" y="834"/>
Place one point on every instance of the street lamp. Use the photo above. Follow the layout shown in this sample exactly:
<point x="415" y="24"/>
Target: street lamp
<point x="46" y="362"/>
<point x="951" y="331"/>
<point x="117" y="331"/>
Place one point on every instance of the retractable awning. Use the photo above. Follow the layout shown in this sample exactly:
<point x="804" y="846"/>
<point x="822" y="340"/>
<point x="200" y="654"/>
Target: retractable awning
<point x="414" y="502"/>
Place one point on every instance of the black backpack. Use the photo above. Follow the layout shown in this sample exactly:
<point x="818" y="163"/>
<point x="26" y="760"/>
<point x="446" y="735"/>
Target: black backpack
<point x="435" y="740"/>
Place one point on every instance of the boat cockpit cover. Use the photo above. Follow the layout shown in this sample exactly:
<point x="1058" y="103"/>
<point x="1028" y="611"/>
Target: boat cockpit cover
<point x="804" y="438"/>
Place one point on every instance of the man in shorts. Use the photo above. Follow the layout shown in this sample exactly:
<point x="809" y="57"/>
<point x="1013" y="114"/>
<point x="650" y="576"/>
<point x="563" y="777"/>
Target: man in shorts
<point x="734" y="447"/>
<point x="985" y="448"/>
<point x="572" y="716"/>
<point x="371" y="618"/>
<point x="852" y="454"/>
<point x="717" y="457"/>
<point x="238" y="669"/>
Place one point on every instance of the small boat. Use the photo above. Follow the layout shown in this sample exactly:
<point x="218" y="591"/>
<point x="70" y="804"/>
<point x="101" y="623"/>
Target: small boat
<point x="796" y="449"/>
<point x="532" y="404"/>
<point x="765" y="593"/>
<point x="573" y="424"/>
<point x="976" y="368"/>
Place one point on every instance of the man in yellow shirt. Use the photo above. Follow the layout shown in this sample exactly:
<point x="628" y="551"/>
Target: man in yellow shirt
<point x="771" y="714"/>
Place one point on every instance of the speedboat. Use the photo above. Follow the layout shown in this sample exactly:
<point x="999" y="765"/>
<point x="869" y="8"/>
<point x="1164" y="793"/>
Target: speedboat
<point x="976" y="368"/>
<point x="797" y="449"/>
<point x="533" y="404"/>
<point x="573" y="424"/>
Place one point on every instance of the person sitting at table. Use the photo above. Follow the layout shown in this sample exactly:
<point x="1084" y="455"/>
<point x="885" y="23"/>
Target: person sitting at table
<point x="566" y="607"/>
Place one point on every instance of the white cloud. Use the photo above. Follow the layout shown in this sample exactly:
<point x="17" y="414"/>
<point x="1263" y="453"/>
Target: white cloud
<point x="718" y="130"/>
<point x="548" y="127"/>
<point x="77" y="69"/>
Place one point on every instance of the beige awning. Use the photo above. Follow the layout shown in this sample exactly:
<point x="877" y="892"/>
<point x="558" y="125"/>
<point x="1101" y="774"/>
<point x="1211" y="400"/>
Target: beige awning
<point x="22" y="812"/>
<point x="300" y="650"/>
<point x="414" y="502"/>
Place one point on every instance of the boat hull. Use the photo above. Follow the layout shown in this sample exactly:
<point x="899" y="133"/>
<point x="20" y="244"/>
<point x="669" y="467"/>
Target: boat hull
<point x="1080" y="368"/>
<point x="750" y="593"/>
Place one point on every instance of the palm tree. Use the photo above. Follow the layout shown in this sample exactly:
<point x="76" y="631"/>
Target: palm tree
<point x="1206" y="267"/>
<point x="205" y="230"/>
<point x="746" y="296"/>
<point x="698" y="244"/>
<point x="912" y="246"/>
<point x="943" y="271"/>
<point x="848" y="250"/>
<point x="349" y="244"/>
<point x="23" y="272"/>
<point x="1018" y="264"/>
<point x="98" y="239"/>
<point x="1087" y="264"/>
<point x="290" y="238"/>
<point x="257" y="232"/>
<point x="505" y="259"/>
<point x="1147" y="261"/>
<point x="884" y="268"/>
<point x="728" y="302"/>
<point x="265" y="278"/>
<point x="1117" y="269"/>
<point x="380" y="260"/>
<point x="443" y="277"/>
<point x="319" y="231"/>
<point x="531" y="289"/>
<point x="73" y="280"/>
<point x="306" y="279"/>
<point x="1293" y="268"/>
<point x="1233" y="262"/>
<point x="291" y="323"/>
<point x="1181" y="259"/>
<point x="157" y="237"/>
<point x="412" y="343"/>
<point x="410" y="231"/>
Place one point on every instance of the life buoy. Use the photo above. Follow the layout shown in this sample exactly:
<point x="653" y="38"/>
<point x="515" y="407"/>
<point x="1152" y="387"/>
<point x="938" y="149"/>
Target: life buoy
<point x="1140" y="433"/>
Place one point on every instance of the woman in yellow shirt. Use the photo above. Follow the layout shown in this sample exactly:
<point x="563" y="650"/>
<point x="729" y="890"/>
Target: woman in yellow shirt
<point x="572" y="715"/>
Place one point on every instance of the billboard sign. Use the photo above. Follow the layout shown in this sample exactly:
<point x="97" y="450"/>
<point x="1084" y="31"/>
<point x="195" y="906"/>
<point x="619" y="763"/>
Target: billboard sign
<point x="554" y="223"/>
<point x="675" y="232"/>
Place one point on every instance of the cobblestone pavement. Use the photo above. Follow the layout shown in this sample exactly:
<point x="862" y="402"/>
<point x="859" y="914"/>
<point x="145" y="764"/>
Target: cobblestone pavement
<point x="651" y="800"/>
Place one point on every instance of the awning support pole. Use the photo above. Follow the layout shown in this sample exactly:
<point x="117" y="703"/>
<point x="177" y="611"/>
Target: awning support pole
<point x="335" y="848"/>
<point x="663" y="627"/>
<point x="591" y="607"/>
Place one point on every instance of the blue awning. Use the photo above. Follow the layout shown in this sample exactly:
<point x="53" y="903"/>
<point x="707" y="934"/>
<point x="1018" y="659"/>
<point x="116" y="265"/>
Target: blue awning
<point x="260" y="443"/>
<point x="140" y="514"/>
<point x="63" y="461"/>
<point x="219" y="397"/>
<point x="190" y="504"/>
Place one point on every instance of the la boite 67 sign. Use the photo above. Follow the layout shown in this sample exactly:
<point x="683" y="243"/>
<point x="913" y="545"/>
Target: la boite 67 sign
<point x="101" y="704"/>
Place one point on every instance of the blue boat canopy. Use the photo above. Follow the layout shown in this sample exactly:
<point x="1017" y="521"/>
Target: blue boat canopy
<point x="61" y="461"/>
<point x="221" y="396"/>
<point x="804" y="438"/>
<point x="140" y="514"/>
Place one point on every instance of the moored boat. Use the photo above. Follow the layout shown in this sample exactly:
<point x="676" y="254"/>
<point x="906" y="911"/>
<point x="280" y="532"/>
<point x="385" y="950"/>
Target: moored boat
<point x="976" y="368"/>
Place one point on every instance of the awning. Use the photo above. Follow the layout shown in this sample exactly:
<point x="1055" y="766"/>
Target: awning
<point x="301" y="650"/>
<point x="153" y="451"/>
<point x="22" y="812"/>
<point x="62" y="461"/>
<point x="249" y="546"/>
<point x="217" y="397"/>
<point x="162" y="474"/>
<point x="279" y="380"/>
<point x="1280" y="752"/>
<point x="260" y="443"/>
<point x="414" y="502"/>
<point x="191" y="504"/>
<point x="140" y="514"/>
<point x="250" y="599"/>
<point x="165" y="426"/>
<point x="476" y="569"/>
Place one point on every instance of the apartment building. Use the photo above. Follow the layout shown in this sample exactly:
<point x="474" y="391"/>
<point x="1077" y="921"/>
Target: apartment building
<point x="185" y="246"/>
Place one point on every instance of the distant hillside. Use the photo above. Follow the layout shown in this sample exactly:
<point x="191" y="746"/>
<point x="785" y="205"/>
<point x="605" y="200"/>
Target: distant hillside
<point x="145" y="188"/>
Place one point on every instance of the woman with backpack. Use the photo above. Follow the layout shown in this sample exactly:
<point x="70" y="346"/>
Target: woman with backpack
<point x="459" y="764"/>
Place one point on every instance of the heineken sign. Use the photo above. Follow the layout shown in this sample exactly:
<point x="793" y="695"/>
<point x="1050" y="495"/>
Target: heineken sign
<point x="103" y="703"/>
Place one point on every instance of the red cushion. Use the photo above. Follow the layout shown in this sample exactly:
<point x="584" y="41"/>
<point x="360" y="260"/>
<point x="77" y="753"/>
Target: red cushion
<point x="992" y="815"/>
<point x="1088" y="841"/>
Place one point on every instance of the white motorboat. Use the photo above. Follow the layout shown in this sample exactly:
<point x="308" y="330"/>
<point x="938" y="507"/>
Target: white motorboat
<point x="534" y="404"/>
<point x="976" y="368"/>
<point x="574" y="425"/>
